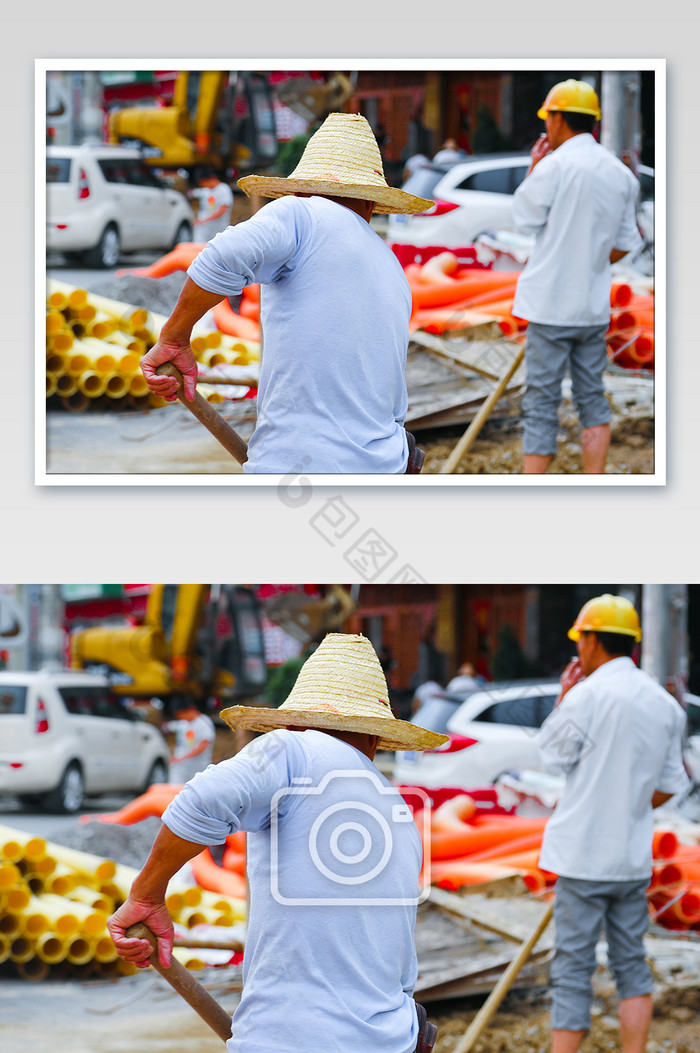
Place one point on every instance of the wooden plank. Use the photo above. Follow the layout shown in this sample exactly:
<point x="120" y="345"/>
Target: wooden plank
<point x="511" y="918"/>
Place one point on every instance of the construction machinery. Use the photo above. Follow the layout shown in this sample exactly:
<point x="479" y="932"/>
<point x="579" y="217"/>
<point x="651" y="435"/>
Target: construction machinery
<point x="196" y="642"/>
<point x="215" y="118"/>
<point x="223" y="118"/>
<point x="203" y="641"/>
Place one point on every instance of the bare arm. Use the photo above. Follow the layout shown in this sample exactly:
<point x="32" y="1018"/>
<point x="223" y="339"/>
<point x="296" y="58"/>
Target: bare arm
<point x="617" y="254"/>
<point x="660" y="798"/>
<point x="146" y="900"/>
<point x="174" y="342"/>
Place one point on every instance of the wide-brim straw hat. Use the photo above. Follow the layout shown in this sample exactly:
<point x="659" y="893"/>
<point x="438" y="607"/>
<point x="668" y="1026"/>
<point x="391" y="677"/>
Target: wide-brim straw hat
<point x="341" y="687"/>
<point x="341" y="159"/>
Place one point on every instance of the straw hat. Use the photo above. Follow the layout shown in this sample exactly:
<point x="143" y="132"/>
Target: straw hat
<point x="341" y="687"/>
<point x="341" y="159"/>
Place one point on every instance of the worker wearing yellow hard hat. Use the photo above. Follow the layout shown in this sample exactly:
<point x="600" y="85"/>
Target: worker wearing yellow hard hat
<point x="571" y="96"/>
<point x="607" y="614"/>
<point x="615" y="737"/>
<point x="578" y="203"/>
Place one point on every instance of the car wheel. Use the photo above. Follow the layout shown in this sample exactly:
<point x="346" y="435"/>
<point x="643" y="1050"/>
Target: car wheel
<point x="69" y="795"/>
<point x="183" y="233"/>
<point x="107" y="251"/>
<point x="158" y="773"/>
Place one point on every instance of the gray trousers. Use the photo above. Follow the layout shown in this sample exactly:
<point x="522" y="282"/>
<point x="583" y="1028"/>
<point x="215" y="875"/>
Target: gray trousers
<point x="549" y="350"/>
<point x="582" y="909"/>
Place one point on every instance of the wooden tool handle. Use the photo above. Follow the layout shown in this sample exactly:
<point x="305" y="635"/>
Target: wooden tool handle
<point x="208" y="416"/>
<point x="470" y="435"/>
<point x="486" y="1013"/>
<point x="185" y="984"/>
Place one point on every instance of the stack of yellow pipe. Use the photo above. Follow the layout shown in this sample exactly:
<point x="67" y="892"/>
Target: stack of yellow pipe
<point x="55" y="902"/>
<point x="94" y="346"/>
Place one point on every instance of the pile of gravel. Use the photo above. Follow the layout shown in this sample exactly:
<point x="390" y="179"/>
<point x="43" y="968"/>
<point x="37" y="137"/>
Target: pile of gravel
<point x="155" y="294"/>
<point x="129" y="845"/>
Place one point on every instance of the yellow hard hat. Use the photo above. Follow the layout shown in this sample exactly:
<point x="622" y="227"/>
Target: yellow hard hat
<point x="571" y="96"/>
<point x="607" y="614"/>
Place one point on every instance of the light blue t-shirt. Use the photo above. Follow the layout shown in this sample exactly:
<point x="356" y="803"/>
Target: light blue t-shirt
<point x="335" y="309"/>
<point x="333" y="863"/>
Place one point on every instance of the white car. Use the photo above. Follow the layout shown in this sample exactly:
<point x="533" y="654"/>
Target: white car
<point x="492" y="732"/>
<point x="105" y="200"/>
<point x="65" y="734"/>
<point x="470" y="197"/>
<point x="476" y="196"/>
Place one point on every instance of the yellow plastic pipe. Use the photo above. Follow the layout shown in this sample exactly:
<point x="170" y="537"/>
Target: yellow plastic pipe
<point x="116" y="386"/>
<point x="91" y="897"/>
<point x="104" y="950"/>
<point x="67" y="385"/>
<point x="79" y="950"/>
<point x="21" y="949"/>
<point x="9" y="876"/>
<point x="16" y="845"/>
<point x="92" y="384"/>
<point x="62" y="880"/>
<point x="4" y="949"/>
<point x="33" y="970"/>
<point x="76" y="403"/>
<point x="93" y="867"/>
<point x="51" y="948"/>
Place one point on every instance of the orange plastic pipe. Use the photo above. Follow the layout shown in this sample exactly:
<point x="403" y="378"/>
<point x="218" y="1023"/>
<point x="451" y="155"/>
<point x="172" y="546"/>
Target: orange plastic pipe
<point x="214" y="878"/>
<point x="440" y="295"/>
<point x="450" y="844"/>
<point x="250" y="309"/>
<point x="664" y="844"/>
<point x="620" y="294"/>
<point x="632" y="318"/>
<point x="518" y="844"/>
<point x="453" y="814"/>
<point x="441" y="320"/>
<point x="686" y="909"/>
<point x="178" y="260"/>
<point x="227" y="321"/>
<point x="460" y="872"/>
<point x="153" y="802"/>
<point x="521" y="823"/>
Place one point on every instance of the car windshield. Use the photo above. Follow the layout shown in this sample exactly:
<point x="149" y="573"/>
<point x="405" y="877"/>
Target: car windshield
<point x="423" y="181"/>
<point x="13" y="699"/>
<point x="58" y="169"/>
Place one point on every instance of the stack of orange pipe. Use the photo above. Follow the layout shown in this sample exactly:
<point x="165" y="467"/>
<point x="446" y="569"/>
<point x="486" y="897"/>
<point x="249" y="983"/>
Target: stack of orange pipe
<point x="447" y="297"/>
<point x="630" y="336"/>
<point x="675" y="888"/>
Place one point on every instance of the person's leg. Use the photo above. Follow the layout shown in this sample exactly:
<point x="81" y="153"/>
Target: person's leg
<point x="546" y="357"/>
<point x="578" y="920"/>
<point x="589" y="358"/>
<point x="626" y="922"/>
<point x="635" y="1020"/>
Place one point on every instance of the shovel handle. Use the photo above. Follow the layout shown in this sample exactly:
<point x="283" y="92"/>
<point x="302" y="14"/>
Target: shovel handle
<point x="206" y="415"/>
<point x="185" y="984"/>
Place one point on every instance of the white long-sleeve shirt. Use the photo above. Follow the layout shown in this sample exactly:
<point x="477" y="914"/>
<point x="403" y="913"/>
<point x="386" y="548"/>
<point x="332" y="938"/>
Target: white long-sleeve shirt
<point x="579" y="203"/>
<point x="616" y="736"/>
<point x="333" y="864"/>
<point x="335" y="309"/>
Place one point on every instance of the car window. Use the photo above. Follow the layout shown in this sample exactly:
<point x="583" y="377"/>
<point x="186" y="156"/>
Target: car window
<point x="92" y="702"/>
<point x="141" y="175"/>
<point x="58" y="169"/>
<point x="693" y="713"/>
<point x="13" y="699"/>
<point x="527" y="712"/>
<point x="646" y="183"/>
<point x="518" y="175"/>
<point x="423" y="181"/>
<point x="494" y="180"/>
<point x="114" y="171"/>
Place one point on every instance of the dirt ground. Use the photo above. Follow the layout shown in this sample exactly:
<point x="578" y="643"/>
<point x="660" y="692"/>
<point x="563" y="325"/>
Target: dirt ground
<point x="140" y="1013"/>
<point x="498" y="450"/>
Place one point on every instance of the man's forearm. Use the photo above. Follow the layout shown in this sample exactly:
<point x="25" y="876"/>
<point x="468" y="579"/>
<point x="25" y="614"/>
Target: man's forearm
<point x="168" y="855"/>
<point x="192" y="305"/>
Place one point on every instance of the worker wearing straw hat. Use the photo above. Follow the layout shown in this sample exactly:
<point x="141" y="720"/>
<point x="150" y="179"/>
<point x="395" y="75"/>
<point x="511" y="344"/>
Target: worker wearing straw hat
<point x="333" y="864"/>
<point x="578" y="200"/>
<point x="335" y="309"/>
<point x="615" y="735"/>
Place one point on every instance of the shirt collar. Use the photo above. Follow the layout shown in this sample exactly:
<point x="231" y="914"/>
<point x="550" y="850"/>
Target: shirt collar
<point x="576" y="141"/>
<point x="613" y="666"/>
